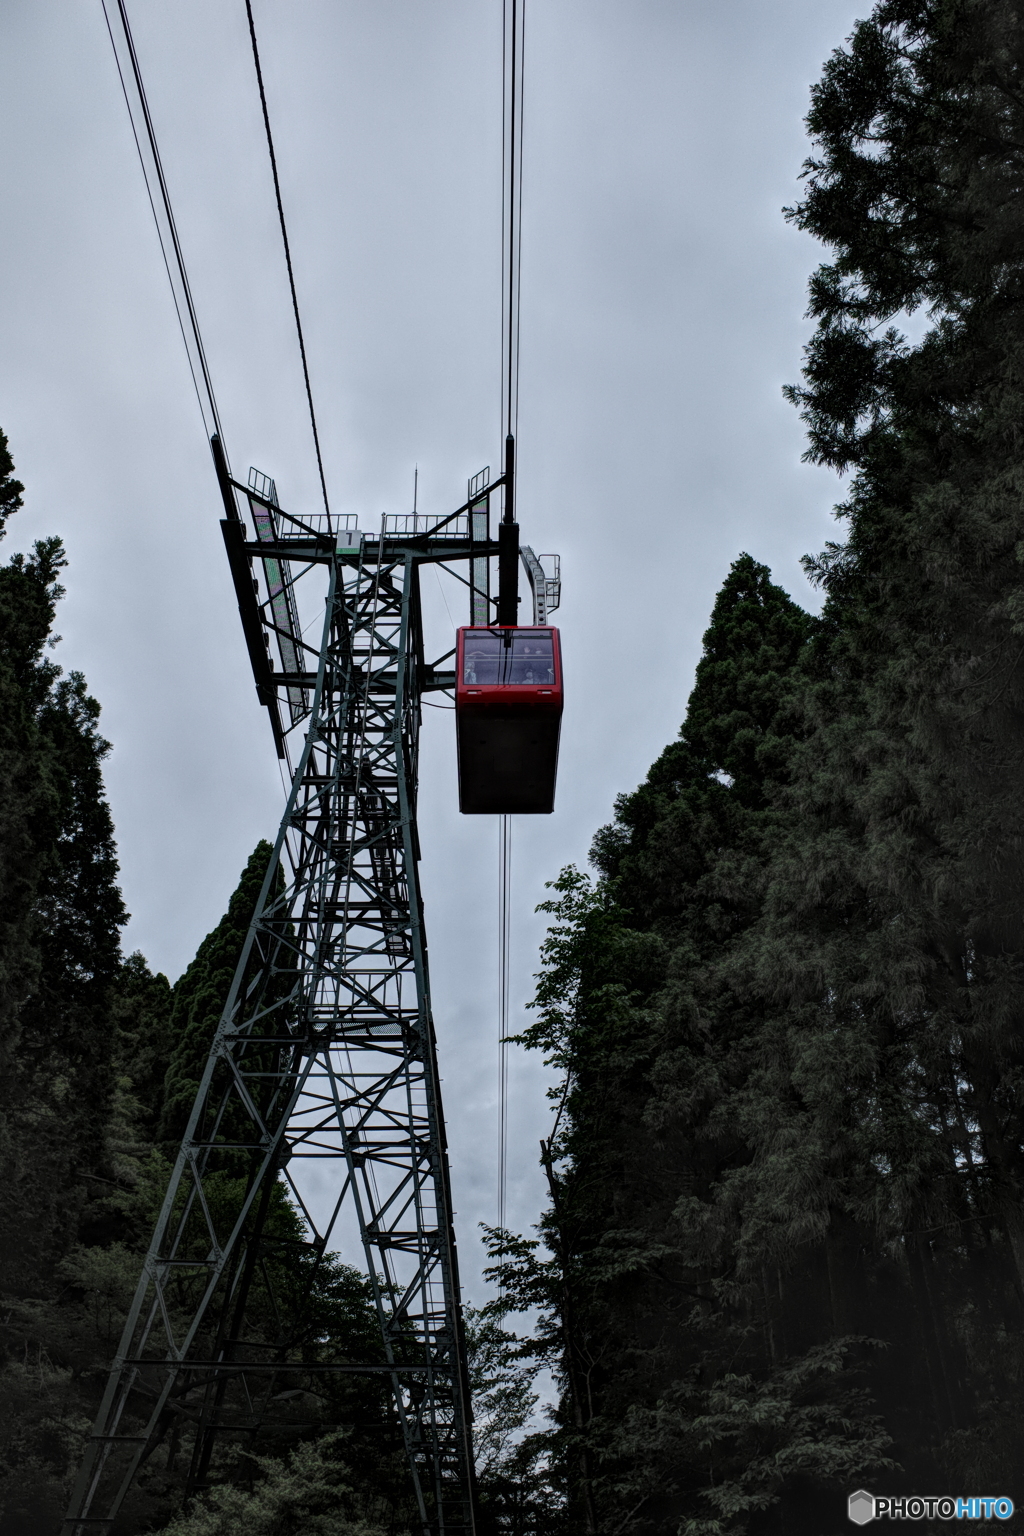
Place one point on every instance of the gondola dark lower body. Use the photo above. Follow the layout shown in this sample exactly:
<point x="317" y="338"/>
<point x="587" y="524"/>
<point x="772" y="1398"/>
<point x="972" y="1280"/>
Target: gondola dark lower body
<point x="508" y="760"/>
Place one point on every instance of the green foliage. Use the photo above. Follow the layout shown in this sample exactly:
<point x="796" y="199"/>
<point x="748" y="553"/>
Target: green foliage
<point x="142" y="1013"/>
<point x="29" y="804"/>
<point x="639" y="1006"/>
<point x="914" y="927"/>
<point x="60" y="916"/>
<point x="688" y="1160"/>
<point x="519" y="1487"/>
<point x="10" y="489"/>
<point x="42" y="1431"/>
<point x="201" y="994"/>
<point x="502" y="1375"/>
<point x="743" y="1439"/>
<point x="798" y="1121"/>
<point x="59" y="1329"/>
<point x="310" y="1493"/>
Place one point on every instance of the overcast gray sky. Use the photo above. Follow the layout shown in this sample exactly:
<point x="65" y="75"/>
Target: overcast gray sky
<point x="662" y="307"/>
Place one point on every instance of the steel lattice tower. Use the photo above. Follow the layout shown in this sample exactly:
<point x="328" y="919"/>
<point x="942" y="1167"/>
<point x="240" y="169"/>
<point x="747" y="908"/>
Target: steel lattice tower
<point x="326" y="1048"/>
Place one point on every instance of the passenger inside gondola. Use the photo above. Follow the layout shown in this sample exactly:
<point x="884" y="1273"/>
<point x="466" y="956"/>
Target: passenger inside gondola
<point x="482" y="657"/>
<point x="523" y="657"/>
<point x="532" y="661"/>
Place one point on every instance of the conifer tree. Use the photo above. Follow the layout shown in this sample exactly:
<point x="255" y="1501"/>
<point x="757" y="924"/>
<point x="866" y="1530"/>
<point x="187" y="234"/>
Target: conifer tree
<point x="200" y="996"/>
<point x="656" y="1318"/>
<point x="142" y="1009"/>
<point x="60" y="916"/>
<point x="912" y="929"/>
<point x="27" y="809"/>
<point x="826" y="1133"/>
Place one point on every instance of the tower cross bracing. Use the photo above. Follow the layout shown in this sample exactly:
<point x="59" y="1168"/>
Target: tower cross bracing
<point x="325" y="1056"/>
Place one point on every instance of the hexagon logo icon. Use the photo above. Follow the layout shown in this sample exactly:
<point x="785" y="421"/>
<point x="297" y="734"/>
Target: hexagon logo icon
<point x="860" y="1507"/>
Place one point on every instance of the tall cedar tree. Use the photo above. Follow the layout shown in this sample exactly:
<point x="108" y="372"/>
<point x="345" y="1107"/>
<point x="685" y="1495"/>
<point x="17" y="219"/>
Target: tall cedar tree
<point x="60" y="915"/>
<point x="682" y="1406"/>
<point x="59" y="928"/>
<point x="200" y="996"/>
<point x="841" y="1065"/>
<point x="907" y="888"/>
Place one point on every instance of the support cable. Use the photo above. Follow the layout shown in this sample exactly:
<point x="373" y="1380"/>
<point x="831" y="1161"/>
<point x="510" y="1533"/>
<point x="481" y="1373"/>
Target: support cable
<point x="504" y="975"/>
<point x="288" y="258"/>
<point x="126" y="58"/>
<point x="513" y="50"/>
<point x="513" y="18"/>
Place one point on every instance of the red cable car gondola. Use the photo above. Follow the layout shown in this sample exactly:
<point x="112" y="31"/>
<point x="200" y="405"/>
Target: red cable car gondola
<point x="508" y="703"/>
